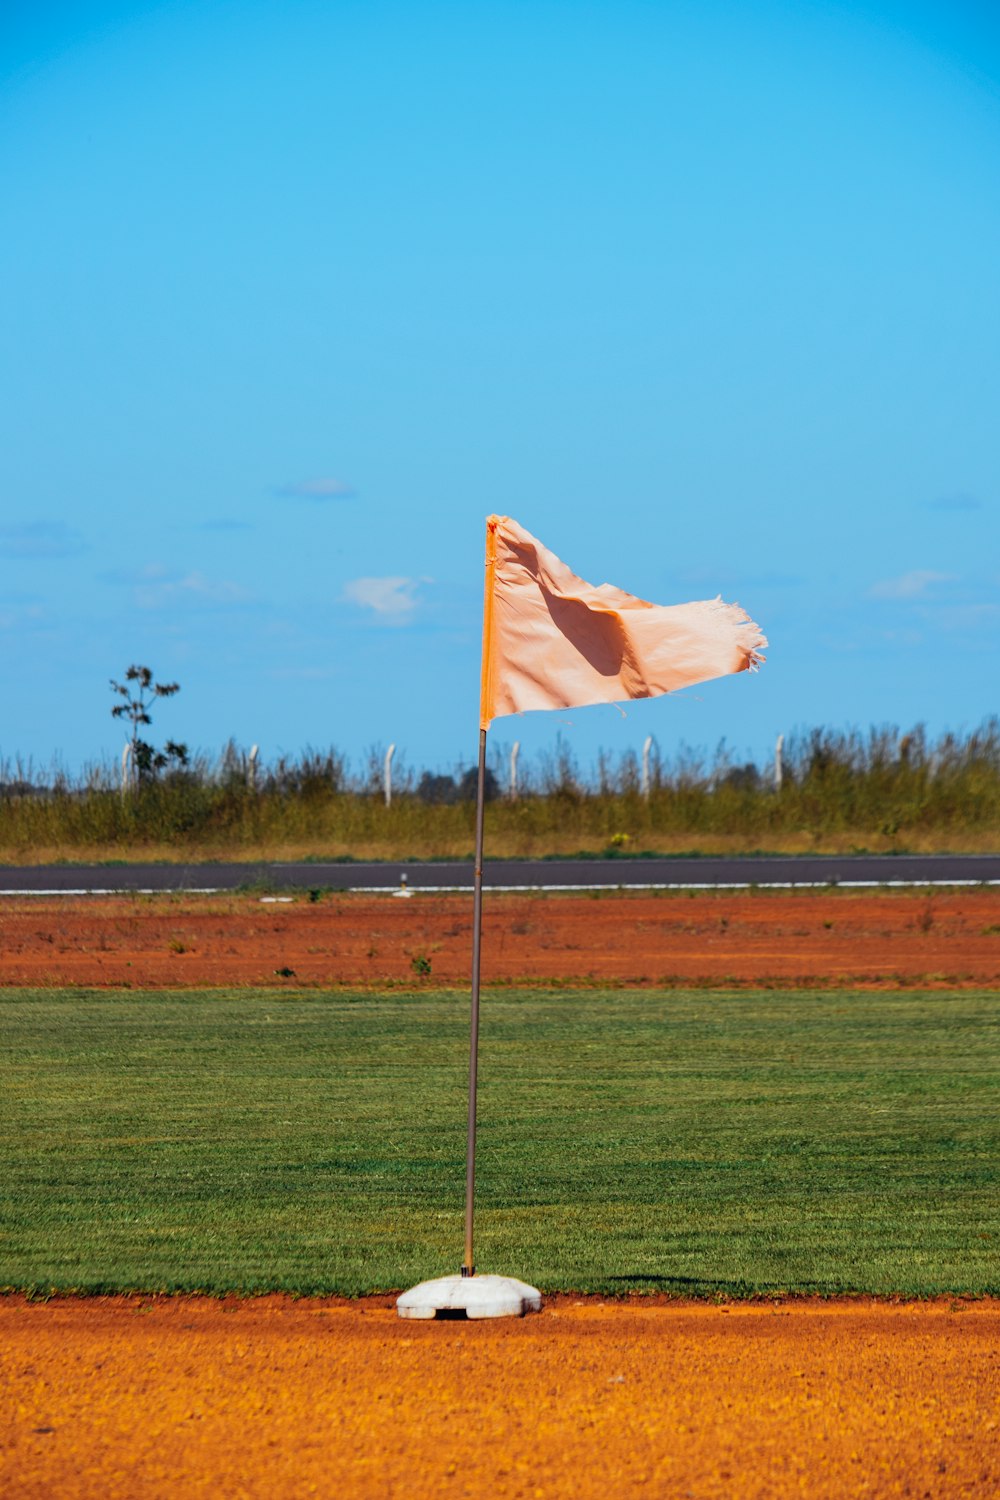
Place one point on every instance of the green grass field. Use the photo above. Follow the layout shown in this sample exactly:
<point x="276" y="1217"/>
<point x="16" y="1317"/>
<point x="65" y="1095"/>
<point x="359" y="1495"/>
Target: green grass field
<point x="704" y="1143"/>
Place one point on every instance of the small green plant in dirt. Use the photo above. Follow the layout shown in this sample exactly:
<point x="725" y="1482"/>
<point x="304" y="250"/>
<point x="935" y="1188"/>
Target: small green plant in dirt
<point x="420" y="964"/>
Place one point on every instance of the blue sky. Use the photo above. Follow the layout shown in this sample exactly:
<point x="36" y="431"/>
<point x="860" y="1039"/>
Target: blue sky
<point x="705" y="295"/>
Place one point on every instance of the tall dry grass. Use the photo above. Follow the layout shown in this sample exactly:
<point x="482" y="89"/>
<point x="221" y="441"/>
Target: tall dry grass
<point x="880" y="791"/>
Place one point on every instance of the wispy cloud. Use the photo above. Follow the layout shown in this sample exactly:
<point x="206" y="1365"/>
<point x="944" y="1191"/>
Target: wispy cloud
<point x="192" y="588"/>
<point x="980" y="617"/>
<point x="903" y="637"/>
<point x="392" y="599"/>
<point x="324" y="487"/>
<point x="40" y="539"/>
<point x="17" y="614"/>
<point x="146" y="573"/>
<point x="913" y="585"/>
<point x="157" y="587"/>
<point x="304" y="674"/>
<point x="955" y="502"/>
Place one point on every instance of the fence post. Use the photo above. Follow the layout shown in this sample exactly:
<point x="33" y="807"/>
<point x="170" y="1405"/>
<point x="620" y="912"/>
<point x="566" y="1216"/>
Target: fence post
<point x="252" y="767"/>
<point x="647" y="746"/>
<point x="387" y="775"/>
<point x="126" y="768"/>
<point x="778" y="766"/>
<point x="513" y="770"/>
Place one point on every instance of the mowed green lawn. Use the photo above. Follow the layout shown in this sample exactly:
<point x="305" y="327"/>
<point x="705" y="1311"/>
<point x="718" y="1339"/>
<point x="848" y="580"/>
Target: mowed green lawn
<point x="688" y="1142"/>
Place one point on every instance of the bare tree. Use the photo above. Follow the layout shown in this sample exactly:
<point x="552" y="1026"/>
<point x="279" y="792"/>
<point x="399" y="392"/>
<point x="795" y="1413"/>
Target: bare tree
<point x="138" y="699"/>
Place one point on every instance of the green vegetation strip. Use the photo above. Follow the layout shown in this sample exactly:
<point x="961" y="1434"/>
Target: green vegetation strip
<point x="883" y="791"/>
<point x="705" y="1143"/>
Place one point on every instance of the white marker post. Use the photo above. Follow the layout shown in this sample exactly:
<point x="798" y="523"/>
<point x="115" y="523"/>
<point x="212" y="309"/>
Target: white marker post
<point x="647" y="746"/>
<point x="387" y="775"/>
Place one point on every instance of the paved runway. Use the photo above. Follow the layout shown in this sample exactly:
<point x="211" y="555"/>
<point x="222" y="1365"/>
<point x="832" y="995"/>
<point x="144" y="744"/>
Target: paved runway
<point x="555" y="874"/>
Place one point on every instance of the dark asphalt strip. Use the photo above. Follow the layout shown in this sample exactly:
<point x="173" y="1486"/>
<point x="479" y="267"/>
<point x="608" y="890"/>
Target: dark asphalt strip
<point x="561" y="874"/>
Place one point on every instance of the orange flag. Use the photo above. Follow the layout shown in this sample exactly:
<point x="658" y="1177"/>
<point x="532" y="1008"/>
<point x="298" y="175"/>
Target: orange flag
<point x="552" y="641"/>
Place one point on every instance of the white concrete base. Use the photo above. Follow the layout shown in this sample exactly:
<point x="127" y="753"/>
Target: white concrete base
<point x="476" y="1296"/>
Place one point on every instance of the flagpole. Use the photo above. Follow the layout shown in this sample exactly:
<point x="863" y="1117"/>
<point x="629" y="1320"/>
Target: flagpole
<point x="488" y="1296"/>
<point x="469" y="1264"/>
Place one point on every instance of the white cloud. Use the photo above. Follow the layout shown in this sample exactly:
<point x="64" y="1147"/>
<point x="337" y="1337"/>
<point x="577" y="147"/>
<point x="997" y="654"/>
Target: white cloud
<point x="912" y="585"/>
<point x="393" y="599"/>
<point x="324" y="487"/>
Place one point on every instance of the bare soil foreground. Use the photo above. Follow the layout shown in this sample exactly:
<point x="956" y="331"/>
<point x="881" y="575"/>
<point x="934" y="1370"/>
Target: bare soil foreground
<point x="124" y="1399"/>
<point x="948" y="938"/>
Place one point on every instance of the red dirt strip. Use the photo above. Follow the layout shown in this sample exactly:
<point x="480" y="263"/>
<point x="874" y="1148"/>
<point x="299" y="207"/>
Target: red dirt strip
<point x="129" y="1398"/>
<point x="947" y="938"/>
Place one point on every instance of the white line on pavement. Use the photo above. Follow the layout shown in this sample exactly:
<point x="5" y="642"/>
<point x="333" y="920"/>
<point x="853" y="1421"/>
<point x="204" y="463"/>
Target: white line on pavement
<point x="452" y="890"/>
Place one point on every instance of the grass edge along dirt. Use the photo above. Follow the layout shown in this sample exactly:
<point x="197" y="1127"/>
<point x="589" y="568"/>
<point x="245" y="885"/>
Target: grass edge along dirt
<point x="695" y="1143"/>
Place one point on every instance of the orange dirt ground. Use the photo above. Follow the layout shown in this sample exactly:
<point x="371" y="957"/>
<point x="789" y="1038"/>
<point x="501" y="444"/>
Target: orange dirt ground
<point x="945" y="938"/>
<point x="124" y="1399"/>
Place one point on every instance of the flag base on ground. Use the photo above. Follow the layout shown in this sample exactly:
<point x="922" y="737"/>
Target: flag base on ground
<point x="471" y="1296"/>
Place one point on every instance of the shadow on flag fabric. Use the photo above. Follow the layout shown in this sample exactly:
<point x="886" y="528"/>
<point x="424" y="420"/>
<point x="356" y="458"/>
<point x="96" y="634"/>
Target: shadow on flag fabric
<point x="550" y="640"/>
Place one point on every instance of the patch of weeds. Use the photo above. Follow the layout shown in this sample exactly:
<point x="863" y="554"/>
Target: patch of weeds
<point x="176" y="946"/>
<point x="285" y="972"/>
<point x="420" y="964"/>
<point x="993" y="930"/>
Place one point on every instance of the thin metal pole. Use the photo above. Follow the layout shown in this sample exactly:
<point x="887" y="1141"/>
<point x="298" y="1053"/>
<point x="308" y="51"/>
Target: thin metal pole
<point x="469" y="1264"/>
